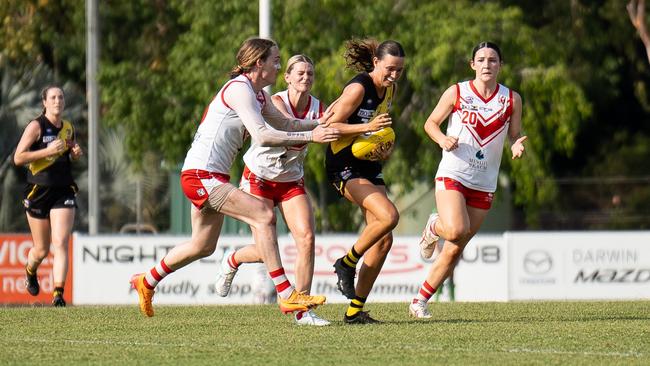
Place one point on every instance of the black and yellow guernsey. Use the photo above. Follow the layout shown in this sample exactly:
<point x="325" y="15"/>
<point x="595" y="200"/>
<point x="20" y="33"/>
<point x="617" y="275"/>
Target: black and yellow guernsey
<point x="339" y="153"/>
<point x="52" y="170"/>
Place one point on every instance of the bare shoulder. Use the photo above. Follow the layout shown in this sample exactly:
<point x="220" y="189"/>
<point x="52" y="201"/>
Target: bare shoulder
<point x="450" y="95"/>
<point x="33" y="127"/>
<point x="31" y="133"/>
<point x="353" y="93"/>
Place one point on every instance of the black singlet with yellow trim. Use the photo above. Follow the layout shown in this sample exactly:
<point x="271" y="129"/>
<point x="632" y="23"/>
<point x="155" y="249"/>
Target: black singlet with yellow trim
<point x="339" y="153"/>
<point x="53" y="170"/>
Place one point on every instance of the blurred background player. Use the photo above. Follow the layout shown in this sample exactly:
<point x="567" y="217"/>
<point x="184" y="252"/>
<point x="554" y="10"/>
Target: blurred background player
<point x="363" y="107"/>
<point x="482" y="113"/>
<point x="240" y="106"/>
<point x="276" y="176"/>
<point x="47" y="146"/>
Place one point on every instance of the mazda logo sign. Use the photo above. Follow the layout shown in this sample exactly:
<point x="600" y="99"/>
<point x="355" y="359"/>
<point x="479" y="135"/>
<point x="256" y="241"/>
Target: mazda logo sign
<point x="538" y="262"/>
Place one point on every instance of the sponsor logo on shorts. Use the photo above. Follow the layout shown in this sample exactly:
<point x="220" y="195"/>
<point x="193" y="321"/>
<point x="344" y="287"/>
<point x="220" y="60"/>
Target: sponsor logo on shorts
<point x="26" y="203"/>
<point x="200" y="192"/>
<point x="68" y="202"/>
<point x="346" y="174"/>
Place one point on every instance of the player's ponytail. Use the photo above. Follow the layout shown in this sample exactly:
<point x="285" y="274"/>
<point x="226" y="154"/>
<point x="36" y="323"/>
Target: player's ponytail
<point x="359" y="53"/>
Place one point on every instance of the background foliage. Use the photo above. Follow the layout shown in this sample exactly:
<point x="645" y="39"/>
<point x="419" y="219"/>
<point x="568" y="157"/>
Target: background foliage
<point x="579" y="66"/>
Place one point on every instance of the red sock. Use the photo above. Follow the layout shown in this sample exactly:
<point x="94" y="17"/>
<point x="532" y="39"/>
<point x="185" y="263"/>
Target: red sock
<point x="232" y="262"/>
<point x="156" y="274"/>
<point x="282" y="284"/>
<point x="425" y="293"/>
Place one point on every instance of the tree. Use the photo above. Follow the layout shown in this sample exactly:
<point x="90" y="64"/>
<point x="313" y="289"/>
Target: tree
<point x="584" y="85"/>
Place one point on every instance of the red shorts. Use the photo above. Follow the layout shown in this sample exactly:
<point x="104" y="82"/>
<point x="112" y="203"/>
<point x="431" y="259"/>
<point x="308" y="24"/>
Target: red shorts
<point x="473" y="198"/>
<point x="275" y="191"/>
<point x="197" y="184"/>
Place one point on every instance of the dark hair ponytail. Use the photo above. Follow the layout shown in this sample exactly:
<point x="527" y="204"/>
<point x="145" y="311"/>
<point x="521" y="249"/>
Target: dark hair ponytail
<point x="359" y="53"/>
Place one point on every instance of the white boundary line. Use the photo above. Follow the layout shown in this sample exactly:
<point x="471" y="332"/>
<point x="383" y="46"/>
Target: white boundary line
<point x="106" y="342"/>
<point x="574" y="353"/>
<point x="505" y="350"/>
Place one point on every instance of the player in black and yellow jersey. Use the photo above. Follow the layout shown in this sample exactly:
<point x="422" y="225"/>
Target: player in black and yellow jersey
<point x="363" y="108"/>
<point x="47" y="146"/>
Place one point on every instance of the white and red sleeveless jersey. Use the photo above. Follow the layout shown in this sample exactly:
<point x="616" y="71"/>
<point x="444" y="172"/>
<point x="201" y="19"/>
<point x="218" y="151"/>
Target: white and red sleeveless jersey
<point x="481" y="126"/>
<point x="282" y="163"/>
<point x="221" y="133"/>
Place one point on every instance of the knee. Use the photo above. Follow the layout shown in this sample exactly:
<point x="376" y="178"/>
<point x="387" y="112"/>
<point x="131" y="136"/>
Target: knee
<point x="204" y="252"/>
<point x="390" y="218"/>
<point x="264" y="217"/>
<point x="304" y="240"/>
<point x="457" y="234"/>
<point x="59" y="244"/>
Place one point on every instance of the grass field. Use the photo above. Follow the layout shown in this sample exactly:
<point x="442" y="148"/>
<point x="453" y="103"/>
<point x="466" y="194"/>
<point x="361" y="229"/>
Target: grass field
<point x="542" y="333"/>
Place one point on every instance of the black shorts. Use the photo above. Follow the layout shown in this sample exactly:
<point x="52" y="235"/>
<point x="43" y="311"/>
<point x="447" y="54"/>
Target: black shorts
<point x="340" y="178"/>
<point x="39" y="200"/>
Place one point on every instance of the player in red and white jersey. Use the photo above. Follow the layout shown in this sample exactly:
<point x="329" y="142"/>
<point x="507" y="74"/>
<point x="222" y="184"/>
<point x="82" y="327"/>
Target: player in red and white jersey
<point x="285" y="163"/>
<point x="275" y="175"/>
<point x="480" y="125"/>
<point x="240" y="106"/>
<point x="482" y="112"/>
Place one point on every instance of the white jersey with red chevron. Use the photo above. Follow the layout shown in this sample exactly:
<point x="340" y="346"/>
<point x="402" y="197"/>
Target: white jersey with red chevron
<point x="221" y="133"/>
<point x="481" y="126"/>
<point x="282" y="163"/>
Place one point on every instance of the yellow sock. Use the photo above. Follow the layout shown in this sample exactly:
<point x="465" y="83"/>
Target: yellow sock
<point x="352" y="258"/>
<point x="356" y="305"/>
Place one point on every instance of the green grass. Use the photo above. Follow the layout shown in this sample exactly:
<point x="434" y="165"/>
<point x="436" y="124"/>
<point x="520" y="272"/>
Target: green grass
<point x="524" y="333"/>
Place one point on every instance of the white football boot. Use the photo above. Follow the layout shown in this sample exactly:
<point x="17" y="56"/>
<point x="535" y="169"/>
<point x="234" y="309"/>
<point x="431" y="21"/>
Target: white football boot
<point x="429" y="240"/>
<point x="418" y="310"/>
<point x="310" y="318"/>
<point x="225" y="276"/>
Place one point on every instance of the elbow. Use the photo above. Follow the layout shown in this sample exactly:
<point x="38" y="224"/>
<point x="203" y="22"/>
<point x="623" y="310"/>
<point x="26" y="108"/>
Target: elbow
<point x="18" y="161"/>
<point x="266" y="141"/>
